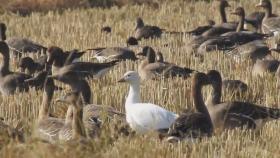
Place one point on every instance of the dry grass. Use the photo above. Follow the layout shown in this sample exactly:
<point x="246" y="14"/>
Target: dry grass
<point x="81" y="29"/>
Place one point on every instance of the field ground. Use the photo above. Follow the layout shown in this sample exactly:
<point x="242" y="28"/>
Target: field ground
<point x="80" y="29"/>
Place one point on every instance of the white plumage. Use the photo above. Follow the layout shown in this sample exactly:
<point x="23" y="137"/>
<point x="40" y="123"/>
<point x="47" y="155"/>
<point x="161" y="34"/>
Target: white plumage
<point x="144" y="117"/>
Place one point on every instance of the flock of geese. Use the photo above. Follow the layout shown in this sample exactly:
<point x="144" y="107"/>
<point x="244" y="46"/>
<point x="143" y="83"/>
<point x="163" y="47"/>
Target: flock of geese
<point x="83" y="119"/>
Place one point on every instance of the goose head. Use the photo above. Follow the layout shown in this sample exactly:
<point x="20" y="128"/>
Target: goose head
<point x="3" y="29"/>
<point x="139" y="23"/>
<point x="200" y="79"/>
<point x="130" y="77"/>
<point x="214" y="77"/>
<point x="266" y="4"/>
<point x="239" y="12"/>
<point x="54" y="54"/>
<point x="131" y="41"/>
<point x="26" y="63"/>
<point x="224" y="4"/>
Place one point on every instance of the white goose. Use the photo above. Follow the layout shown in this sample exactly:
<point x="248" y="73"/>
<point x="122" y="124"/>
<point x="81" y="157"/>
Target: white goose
<point x="144" y="117"/>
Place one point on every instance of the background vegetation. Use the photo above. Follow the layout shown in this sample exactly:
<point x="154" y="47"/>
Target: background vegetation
<point x="80" y="28"/>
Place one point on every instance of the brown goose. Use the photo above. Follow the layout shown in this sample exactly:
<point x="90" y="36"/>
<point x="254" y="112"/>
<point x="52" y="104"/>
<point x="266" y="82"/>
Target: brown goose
<point x="93" y="117"/>
<point x="47" y="128"/>
<point x="236" y="114"/>
<point x="193" y="125"/>
<point x="150" y="69"/>
<point x="225" y="26"/>
<point x="10" y="81"/>
<point x="270" y="23"/>
<point x="146" y="31"/>
<point x="113" y="53"/>
<point x="57" y="57"/>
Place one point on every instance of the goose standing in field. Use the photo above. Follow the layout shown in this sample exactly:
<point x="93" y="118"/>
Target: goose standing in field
<point x="149" y="68"/>
<point x="93" y="116"/>
<point x="47" y="128"/>
<point x="236" y="114"/>
<point x="146" y="31"/>
<point x="10" y="82"/>
<point x="270" y="23"/>
<point x="197" y="124"/>
<point x="144" y="117"/>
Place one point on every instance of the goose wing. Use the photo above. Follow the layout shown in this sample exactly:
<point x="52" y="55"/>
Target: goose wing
<point x="151" y="116"/>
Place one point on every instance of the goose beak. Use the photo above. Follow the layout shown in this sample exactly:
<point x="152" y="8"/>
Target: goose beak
<point x="140" y="54"/>
<point x="121" y="80"/>
<point x="259" y="5"/>
<point x="173" y="139"/>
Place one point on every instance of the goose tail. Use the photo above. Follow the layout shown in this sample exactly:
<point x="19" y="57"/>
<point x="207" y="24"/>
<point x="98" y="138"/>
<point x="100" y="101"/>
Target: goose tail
<point x="274" y="113"/>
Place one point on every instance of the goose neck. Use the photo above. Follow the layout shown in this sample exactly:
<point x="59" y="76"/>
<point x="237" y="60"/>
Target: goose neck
<point x="198" y="100"/>
<point x="240" y="26"/>
<point x="268" y="12"/>
<point x="4" y="67"/>
<point x="134" y="93"/>
<point x="223" y="14"/>
<point x="216" y="93"/>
